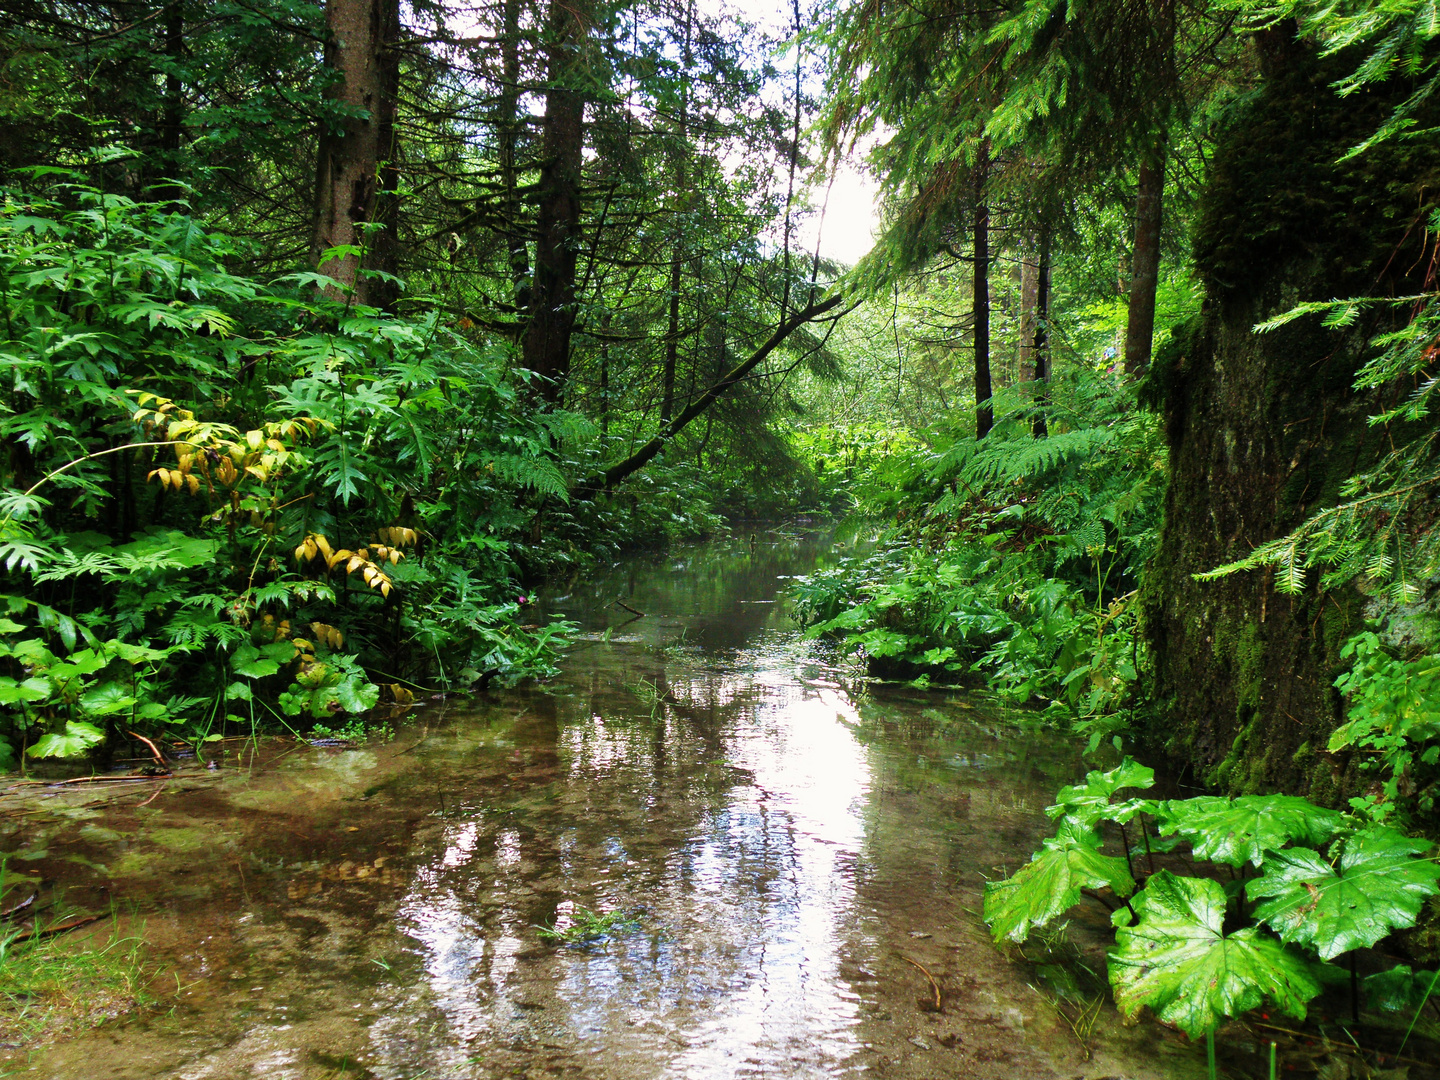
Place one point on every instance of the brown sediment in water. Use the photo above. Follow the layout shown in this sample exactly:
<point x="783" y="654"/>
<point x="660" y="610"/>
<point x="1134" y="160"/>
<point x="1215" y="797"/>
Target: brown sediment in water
<point x="801" y="859"/>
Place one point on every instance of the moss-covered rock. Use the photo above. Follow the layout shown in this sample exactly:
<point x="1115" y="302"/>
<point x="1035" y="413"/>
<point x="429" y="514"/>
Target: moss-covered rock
<point x="1264" y="429"/>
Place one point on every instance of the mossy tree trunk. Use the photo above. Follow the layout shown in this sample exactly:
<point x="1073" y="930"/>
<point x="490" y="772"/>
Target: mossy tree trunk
<point x="1264" y="428"/>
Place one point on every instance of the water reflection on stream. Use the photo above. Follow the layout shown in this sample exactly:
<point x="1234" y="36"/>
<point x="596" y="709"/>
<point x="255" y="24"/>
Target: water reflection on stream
<point x="800" y="857"/>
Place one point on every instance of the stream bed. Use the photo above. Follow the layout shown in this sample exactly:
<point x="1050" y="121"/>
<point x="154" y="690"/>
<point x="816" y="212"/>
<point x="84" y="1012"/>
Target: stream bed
<point x="792" y="861"/>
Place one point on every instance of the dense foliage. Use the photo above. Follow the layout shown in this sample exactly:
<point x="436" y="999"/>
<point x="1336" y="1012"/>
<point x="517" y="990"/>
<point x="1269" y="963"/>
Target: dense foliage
<point x="332" y="331"/>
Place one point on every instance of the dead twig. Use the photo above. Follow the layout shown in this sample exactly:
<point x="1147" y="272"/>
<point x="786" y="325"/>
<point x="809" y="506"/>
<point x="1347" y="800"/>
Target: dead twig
<point x="627" y="607"/>
<point x="935" y="986"/>
<point x="104" y="780"/>
<point x="36" y="933"/>
<point x="159" y="757"/>
<point x="19" y="907"/>
<point x="155" y="796"/>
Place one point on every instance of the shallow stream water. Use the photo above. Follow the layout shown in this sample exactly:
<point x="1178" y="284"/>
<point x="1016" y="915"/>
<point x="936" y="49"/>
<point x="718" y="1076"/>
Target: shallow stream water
<point x="799" y="858"/>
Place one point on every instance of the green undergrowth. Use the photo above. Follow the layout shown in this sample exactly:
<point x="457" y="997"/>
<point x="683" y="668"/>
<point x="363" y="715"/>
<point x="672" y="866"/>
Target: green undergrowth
<point x="1012" y="559"/>
<point x="231" y="505"/>
<point x="57" y="983"/>
<point x="1222" y="905"/>
<point x="63" y="986"/>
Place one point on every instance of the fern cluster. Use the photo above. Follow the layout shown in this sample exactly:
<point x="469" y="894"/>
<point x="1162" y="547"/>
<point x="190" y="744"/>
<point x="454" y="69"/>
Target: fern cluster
<point x="1013" y="557"/>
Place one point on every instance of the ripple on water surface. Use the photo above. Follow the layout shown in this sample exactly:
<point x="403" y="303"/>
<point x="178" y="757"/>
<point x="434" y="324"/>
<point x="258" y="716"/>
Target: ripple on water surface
<point x="797" y="860"/>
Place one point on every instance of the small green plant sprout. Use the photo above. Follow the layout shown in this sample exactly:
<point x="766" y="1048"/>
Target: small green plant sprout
<point x="1090" y="803"/>
<point x="1177" y="959"/>
<point x="585" y="928"/>
<point x="1378" y="885"/>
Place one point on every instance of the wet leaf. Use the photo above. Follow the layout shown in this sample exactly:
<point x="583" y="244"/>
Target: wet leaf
<point x="76" y="739"/>
<point x="1049" y="885"/>
<point x="1177" y="960"/>
<point x="1236" y="831"/>
<point x="1379" y="886"/>
<point x="1402" y="990"/>
<point x="34" y="688"/>
<point x="107" y="699"/>
<point x="1089" y="803"/>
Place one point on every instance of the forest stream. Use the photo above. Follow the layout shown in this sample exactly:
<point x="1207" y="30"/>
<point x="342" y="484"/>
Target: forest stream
<point x="791" y="861"/>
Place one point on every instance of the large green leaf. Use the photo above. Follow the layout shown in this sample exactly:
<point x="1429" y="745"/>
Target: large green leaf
<point x="1177" y="960"/>
<point x="34" y="688"/>
<point x="1401" y="990"/>
<point x="1236" y="831"/>
<point x="76" y="739"/>
<point x="1049" y="885"/>
<point x="250" y="664"/>
<point x="1089" y="803"/>
<point x="107" y="699"/>
<point x="1379" y="886"/>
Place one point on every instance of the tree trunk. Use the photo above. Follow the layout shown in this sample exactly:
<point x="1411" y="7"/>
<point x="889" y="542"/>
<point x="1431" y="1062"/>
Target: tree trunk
<point x="677" y="245"/>
<point x="1264" y="429"/>
<point x="1042" y="334"/>
<point x="349" y="191"/>
<point x="509" y="124"/>
<point x="1145" y="263"/>
<point x="1029" y="298"/>
<point x="552" y="292"/>
<point x="980" y="310"/>
<point x="172" y="116"/>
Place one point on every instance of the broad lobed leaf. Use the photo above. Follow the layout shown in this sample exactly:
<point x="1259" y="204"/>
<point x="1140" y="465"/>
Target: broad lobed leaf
<point x="1380" y="884"/>
<point x="1236" y="831"/>
<point x="1178" y="961"/>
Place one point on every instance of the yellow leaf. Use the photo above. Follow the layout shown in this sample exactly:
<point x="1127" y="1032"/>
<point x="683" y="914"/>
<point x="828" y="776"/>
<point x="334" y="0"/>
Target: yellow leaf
<point x="255" y="439"/>
<point x="324" y="546"/>
<point x="194" y="483"/>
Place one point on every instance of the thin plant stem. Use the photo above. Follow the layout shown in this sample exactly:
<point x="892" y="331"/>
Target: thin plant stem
<point x="1429" y="988"/>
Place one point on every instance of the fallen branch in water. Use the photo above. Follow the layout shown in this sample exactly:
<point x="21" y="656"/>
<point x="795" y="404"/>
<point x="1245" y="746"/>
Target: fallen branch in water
<point x="36" y="933"/>
<point x="933" y="984"/>
<point x="19" y="907"/>
<point x="159" y="757"/>
<point x="104" y="780"/>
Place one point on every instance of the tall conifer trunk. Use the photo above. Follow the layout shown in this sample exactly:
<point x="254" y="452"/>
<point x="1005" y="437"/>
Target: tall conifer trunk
<point x="509" y="129"/>
<point x="552" y="293"/>
<point x="1029" y="290"/>
<point x="1145" y="262"/>
<point x="980" y="309"/>
<point x="1042" y="332"/>
<point x="349" y="190"/>
<point x="172" y="116"/>
<point x="677" y="247"/>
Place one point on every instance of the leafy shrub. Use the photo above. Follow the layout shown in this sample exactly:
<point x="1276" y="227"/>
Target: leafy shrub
<point x="1014" y="557"/>
<point x="1187" y="947"/>
<point x="186" y="441"/>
